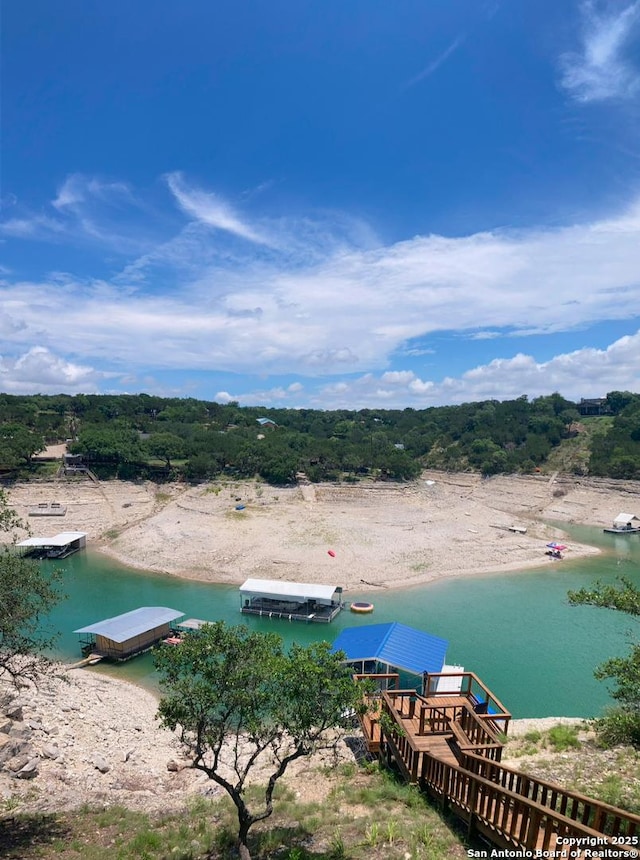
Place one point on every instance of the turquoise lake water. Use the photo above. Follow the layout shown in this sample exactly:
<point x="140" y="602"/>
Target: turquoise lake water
<point x="516" y="631"/>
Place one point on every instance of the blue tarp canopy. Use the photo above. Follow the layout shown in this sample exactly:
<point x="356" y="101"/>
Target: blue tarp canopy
<point x="394" y="644"/>
<point x="135" y="623"/>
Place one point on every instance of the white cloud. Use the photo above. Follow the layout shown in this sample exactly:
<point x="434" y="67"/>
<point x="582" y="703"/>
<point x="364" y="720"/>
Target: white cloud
<point x="583" y="373"/>
<point x="607" y="65"/>
<point x="86" y="210"/>
<point x="223" y="397"/>
<point x="31" y="227"/>
<point x="351" y="313"/>
<point x="78" y="189"/>
<point x="40" y="371"/>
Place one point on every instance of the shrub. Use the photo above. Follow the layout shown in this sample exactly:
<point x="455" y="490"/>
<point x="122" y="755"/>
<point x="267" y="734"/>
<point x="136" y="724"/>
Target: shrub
<point x="618" y="726"/>
<point x="563" y="737"/>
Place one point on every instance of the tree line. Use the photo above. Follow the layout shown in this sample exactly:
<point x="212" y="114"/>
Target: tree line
<point x="143" y="436"/>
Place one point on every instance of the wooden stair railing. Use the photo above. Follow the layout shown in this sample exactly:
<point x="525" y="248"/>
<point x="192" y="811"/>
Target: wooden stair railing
<point x="598" y="815"/>
<point x="513" y="820"/>
<point x="509" y="808"/>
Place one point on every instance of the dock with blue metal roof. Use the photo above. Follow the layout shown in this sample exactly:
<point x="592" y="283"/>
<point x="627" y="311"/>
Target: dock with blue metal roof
<point x="394" y="646"/>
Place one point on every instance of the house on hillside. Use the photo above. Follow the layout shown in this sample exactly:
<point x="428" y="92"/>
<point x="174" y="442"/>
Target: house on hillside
<point x="594" y="406"/>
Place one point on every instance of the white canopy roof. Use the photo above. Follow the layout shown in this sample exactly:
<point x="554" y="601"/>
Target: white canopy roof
<point x="62" y="539"/>
<point x="625" y="518"/>
<point x="278" y="588"/>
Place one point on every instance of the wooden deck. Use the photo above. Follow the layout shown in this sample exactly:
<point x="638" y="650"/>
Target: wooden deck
<point x="450" y="745"/>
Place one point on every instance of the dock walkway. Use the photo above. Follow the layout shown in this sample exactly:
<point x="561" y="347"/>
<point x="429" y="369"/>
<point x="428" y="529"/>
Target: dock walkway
<point x="450" y="746"/>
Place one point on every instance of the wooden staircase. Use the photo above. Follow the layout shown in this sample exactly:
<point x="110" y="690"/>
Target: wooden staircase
<point x="442" y="744"/>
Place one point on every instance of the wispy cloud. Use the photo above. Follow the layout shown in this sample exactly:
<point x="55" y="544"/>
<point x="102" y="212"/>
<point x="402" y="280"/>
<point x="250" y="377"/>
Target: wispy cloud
<point x="434" y="65"/>
<point x="606" y="67"/>
<point x="212" y="210"/>
<point x="78" y="189"/>
<point x="32" y="227"/>
<point x="85" y="209"/>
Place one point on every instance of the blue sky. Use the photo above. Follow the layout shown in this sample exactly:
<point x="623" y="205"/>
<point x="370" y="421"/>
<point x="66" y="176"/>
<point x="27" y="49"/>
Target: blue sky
<point x="336" y="204"/>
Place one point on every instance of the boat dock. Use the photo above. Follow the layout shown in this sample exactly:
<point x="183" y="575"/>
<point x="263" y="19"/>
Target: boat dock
<point x="290" y="601"/>
<point x="127" y="635"/>
<point x="624" y="524"/>
<point x="58" y="546"/>
<point x="48" y="509"/>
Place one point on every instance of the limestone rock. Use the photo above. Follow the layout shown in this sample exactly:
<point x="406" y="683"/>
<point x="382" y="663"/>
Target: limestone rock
<point x="50" y="751"/>
<point x="16" y="763"/>
<point x="100" y="764"/>
<point x="14" y="711"/>
<point x="29" y="771"/>
<point x="20" y="730"/>
<point x="6" y="698"/>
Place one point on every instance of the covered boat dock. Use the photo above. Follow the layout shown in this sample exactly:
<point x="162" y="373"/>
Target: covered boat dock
<point x="291" y="601"/>
<point x="385" y="649"/>
<point x="58" y="546"/>
<point x="126" y="635"/>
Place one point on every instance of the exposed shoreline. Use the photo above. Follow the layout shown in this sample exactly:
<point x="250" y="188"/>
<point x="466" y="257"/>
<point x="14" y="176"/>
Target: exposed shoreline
<point x="383" y="535"/>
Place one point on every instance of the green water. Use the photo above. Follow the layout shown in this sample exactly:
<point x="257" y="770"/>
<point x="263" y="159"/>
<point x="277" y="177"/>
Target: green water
<point x="516" y="631"/>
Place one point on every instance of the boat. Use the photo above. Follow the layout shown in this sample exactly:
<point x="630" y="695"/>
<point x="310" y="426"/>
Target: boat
<point x="624" y="524"/>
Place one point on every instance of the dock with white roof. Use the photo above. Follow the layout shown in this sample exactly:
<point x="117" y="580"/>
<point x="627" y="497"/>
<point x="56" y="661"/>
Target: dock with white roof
<point x="58" y="546"/>
<point x="291" y="601"/>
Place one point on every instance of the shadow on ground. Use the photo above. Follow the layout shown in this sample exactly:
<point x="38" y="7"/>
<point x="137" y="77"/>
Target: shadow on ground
<point x="20" y="836"/>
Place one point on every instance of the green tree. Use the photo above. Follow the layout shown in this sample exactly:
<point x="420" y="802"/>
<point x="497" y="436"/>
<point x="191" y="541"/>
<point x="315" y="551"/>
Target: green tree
<point x="620" y="724"/>
<point x="241" y="701"/>
<point x="26" y="598"/>
<point x="166" y="446"/>
<point x="19" y="444"/>
<point x="115" y="442"/>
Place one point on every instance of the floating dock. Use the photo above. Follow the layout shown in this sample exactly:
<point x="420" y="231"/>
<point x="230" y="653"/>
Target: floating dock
<point x="291" y="601"/>
<point x="47" y="509"/>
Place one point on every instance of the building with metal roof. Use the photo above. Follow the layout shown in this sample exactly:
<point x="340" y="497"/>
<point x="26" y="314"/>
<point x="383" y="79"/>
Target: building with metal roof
<point x="58" y="546"/>
<point x="128" y="634"/>
<point x="295" y="601"/>
<point x="391" y="647"/>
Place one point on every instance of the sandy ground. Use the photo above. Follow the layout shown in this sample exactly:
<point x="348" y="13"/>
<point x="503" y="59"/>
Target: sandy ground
<point x="382" y="535"/>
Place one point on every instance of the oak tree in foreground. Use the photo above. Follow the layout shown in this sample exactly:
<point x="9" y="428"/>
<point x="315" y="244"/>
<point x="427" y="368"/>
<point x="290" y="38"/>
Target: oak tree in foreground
<point x="620" y="723"/>
<point x="27" y="595"/>
<point x="243" y="704"/>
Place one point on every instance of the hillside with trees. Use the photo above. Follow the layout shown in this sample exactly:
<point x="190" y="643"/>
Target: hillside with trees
<point x="144" y="436"/>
